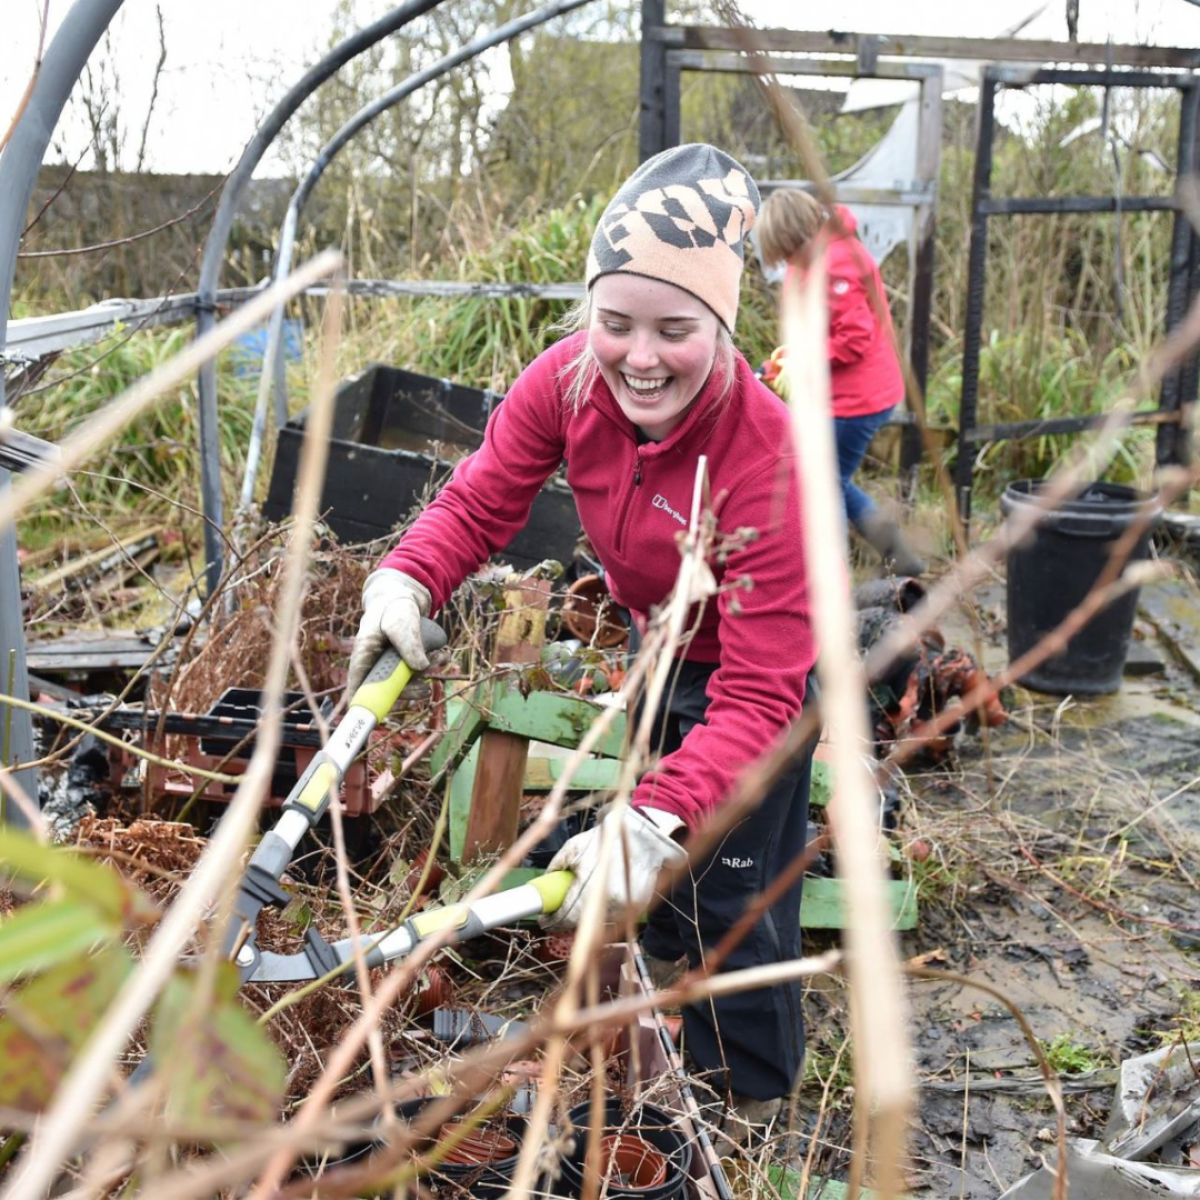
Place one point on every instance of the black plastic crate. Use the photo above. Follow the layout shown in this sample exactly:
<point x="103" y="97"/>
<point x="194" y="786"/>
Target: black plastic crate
<point x="239" y="713"/>
<point x="396" y="433"/>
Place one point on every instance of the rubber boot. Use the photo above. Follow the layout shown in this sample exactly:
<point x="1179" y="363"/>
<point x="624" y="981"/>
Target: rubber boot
<point x="747" y="1123"/>
<point x="883" y="535"/>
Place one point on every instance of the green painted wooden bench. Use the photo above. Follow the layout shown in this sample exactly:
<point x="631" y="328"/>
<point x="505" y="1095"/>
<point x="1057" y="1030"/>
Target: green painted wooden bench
<point x="560" y="719"/>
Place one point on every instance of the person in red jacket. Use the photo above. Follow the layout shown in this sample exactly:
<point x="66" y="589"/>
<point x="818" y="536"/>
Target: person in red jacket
<point x="631" y="401"/>
<point x="866" y="382"/>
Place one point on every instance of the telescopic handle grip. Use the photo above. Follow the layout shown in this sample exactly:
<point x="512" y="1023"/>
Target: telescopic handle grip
<point x="380" y="690"/>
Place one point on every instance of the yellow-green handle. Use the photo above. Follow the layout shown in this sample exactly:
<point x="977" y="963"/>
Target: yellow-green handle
<point x="553" y="888"/>
<point x="383" y="685"/>
<point x="390" y="675"/>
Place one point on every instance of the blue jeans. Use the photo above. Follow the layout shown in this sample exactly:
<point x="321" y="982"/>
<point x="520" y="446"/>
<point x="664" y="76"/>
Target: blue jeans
<point x="853" y="436"/>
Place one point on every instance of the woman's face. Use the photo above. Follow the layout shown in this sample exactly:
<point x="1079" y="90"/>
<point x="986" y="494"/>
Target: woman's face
<point x="655" y="344"/>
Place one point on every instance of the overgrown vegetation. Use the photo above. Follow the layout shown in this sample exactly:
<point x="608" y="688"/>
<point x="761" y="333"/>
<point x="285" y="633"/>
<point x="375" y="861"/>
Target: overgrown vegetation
<point x="1073" y="303"/>
<point x="152" y="472"/>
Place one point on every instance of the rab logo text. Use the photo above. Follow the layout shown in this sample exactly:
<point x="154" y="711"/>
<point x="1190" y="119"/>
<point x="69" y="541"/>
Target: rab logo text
<point x="660" y="501"/>
<point x="738" y="863"/>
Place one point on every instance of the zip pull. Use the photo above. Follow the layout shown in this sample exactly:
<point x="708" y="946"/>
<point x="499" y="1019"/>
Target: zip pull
<point x="637" y="472"/>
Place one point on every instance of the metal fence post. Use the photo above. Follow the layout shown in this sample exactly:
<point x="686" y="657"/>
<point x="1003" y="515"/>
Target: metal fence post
<point x="81" y="29"/>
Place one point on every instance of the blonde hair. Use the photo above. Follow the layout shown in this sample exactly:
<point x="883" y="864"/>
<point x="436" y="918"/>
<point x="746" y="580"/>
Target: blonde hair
<point x="581" y="372"/>
<point x="789" y="220"/>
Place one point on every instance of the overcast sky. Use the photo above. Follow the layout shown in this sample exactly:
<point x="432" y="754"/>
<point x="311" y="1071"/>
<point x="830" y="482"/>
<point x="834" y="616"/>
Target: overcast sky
<point x="228" y="61"/>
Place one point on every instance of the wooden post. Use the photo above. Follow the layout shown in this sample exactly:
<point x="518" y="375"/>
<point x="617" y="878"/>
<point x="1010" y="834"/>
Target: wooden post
<point x="929" y="148"/>
<point x="500" y="774"/>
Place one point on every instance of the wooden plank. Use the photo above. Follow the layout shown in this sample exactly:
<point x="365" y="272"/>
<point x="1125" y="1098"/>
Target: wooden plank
<point x="20" y="450"/>
<point x="900" y="45"/>
<point x="552" y="717"/>
<point x="86" y="569"/>
<point x="91" y="641"/>
<point x="757" y="64"/>
<point x="459" y="786"/>
<point x="498" y="786"/>
<point x="493" y="818"/>
<point x="558" y="719"/>
<point x="591" y="775"/>
<point x="819" y="909"/>
<point x="821" y="791"/>
<point x="514" y="878"/>
<point x="88" y="650"/>
<point x="541" y="774"/>
<point x="822" y="906"/>
<point x="464" y="723"/>
<point x="910" y="194"/>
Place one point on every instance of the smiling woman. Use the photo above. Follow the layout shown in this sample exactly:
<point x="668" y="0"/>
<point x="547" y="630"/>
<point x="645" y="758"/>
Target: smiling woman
<point x="633" y="400"/>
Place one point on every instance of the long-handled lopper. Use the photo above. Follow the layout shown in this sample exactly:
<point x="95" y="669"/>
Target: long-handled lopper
<point x="304" y="807"/>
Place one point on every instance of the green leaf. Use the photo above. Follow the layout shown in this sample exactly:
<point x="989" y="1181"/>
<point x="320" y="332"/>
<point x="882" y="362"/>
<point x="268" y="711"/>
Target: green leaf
<point x="88" y="882"/>
<point x="216" y="1061"/>
<point x="46" y="1023"/>
<point x="43" y="935"/>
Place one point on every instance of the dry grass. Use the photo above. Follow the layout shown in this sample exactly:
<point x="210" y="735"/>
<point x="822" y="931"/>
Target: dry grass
<point x="234" y="652"/>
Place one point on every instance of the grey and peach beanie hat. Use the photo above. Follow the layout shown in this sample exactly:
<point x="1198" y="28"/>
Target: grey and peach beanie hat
<point x="682" y="217"/>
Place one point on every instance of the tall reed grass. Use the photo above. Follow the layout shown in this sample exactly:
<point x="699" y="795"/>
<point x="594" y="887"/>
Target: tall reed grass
<point x="153" y="471"/>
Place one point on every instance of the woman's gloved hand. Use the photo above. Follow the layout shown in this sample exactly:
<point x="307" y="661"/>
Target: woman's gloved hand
<point x="642" y="847"/>
<point x="393" y="605"/>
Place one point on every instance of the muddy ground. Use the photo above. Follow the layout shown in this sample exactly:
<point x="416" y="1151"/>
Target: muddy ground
<point x="1062" y="875"/>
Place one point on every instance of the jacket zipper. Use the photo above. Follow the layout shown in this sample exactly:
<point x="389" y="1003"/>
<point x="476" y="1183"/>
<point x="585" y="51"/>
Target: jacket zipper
<point x="637" y="483"/>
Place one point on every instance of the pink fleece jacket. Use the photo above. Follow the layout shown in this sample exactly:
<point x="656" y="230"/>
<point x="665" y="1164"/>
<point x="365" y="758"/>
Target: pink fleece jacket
<point x="634" y="502"/>
<point x="864" y="373"/>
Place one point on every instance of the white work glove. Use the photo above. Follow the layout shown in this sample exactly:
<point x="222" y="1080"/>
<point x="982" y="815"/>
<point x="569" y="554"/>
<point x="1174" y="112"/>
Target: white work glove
<point x="393" y="605"/>
<point x="641" y="838"/>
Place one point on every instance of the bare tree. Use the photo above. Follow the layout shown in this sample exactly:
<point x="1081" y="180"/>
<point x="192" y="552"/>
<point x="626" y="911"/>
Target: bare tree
<point x="100" y="93"/>
<point x="158" y="70"/>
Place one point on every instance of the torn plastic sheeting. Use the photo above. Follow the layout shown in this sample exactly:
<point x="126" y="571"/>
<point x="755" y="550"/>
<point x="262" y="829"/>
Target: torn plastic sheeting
<point x="1099" y="1176"/>
<point x="1158" y="1096"/>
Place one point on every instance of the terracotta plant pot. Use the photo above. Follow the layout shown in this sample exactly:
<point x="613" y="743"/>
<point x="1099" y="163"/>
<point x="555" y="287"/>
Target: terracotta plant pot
<point x="555" y="947"/>
<point x="481" y="1165"/>
<point x="481" y="1145"/>
<point x="434" y="989"/>
<point x="641" y="1122"/>
<point x="412" y="881"/>
<point x="631" y="1162"/>
<point x="587" y="605"/>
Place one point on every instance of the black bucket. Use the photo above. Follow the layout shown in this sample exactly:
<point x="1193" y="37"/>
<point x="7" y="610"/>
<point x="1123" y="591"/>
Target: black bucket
<point x="654" y="1125"/>
<point x="1050" y="574"/>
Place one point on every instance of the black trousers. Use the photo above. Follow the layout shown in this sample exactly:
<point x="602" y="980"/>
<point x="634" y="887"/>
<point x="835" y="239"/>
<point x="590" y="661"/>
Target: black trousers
<point x="751" y="1043"/>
